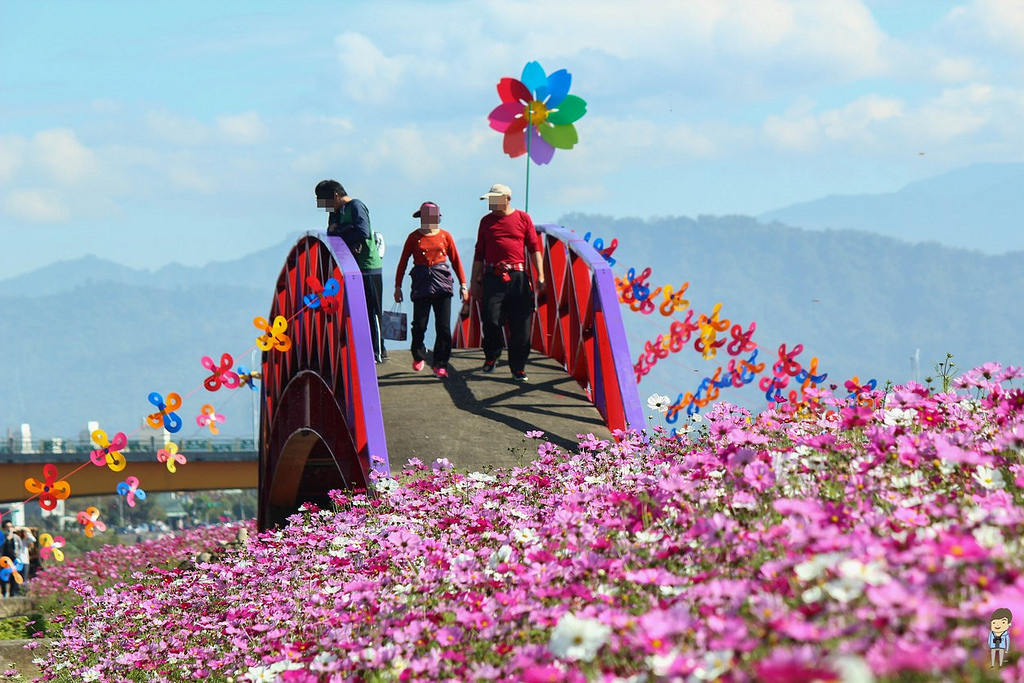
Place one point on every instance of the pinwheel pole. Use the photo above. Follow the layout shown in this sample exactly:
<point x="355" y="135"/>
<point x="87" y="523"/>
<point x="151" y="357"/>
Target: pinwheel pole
<point x="529" y="118"/>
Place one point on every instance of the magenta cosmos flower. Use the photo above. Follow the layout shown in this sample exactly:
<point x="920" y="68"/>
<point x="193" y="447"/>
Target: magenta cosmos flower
<point x="537" y="113"/>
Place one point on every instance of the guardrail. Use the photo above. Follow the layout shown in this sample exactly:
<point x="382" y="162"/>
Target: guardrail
<point x="62" y="446"/>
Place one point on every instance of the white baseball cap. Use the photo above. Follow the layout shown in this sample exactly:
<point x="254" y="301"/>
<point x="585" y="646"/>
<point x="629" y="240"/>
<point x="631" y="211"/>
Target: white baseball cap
<point x="498" y="190"/>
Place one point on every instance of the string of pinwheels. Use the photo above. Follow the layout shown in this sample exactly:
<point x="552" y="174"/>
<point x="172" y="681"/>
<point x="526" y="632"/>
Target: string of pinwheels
<point x="320" y="298"/>
<point x="635" y="293"/>
<point x="537" y="116"/>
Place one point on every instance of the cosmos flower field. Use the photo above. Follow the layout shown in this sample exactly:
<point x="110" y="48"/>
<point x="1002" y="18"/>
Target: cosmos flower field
<point x="843" y="539"/>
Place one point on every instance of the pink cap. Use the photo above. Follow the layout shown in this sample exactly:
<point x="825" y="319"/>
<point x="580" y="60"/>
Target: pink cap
<point x="423" y="206"/>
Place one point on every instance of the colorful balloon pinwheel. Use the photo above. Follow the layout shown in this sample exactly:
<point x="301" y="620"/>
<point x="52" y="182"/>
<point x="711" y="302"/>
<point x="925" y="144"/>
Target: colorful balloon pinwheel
<point x="209" y="418"/>
<point x="129" y="488"/>
<point x="166" y="417"/>
<point x="49" y="490"/>
<point x="324" y="295"/>
<point x="273" y="337"/>
<point x="109" y="452"/>
<point x="50" y="546"/>
<point x="171" y="456"/>
<point x="247" y="377"/>
<point x="11" y="568"/>
<point x="222" y="376"/>
<point x="90" y="519"/>
<point x="537" y="113"/>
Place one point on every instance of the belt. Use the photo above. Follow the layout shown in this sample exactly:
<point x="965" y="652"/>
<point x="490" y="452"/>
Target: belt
<point x="504" y="267"/>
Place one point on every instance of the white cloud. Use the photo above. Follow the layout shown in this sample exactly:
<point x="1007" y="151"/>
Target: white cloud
<point x="337" y="121"/>
<point x="60" y="153"/>
<point x="367" y="74"/>
<point x="12" y="150"/>
<point x="243" y="129"/>
<point x="998" y="23"/>
<point x="955" y="69"/>
<point x="855" y="121"/>
<point x="408" y="150"/>
<point x="956" y="112"/>
<point x="177" y="129"/>
<point x="183" y="174"/>
<point x="800" y="133"/>
<point x="37" y="206"/>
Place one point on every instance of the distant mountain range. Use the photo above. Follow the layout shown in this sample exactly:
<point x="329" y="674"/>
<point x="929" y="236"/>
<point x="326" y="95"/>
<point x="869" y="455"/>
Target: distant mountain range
<point x="88" y="339"/>
<point x="980" y="207"/>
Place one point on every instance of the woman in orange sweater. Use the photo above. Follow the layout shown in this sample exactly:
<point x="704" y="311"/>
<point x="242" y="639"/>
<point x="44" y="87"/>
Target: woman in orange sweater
<point x="434" y="256"/>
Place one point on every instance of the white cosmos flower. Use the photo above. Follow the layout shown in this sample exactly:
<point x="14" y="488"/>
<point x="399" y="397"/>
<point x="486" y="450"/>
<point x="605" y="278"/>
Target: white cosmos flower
<point x="648" y="536"/>
<point x="812" y="594"/>
<point x="852" y="669"/>
<point x="811" y="569"/>
<point x="988" y="536"/>
<point x="659" y="402"/>
<point x="872" y="572"/>
<point x="524" y="535"/>
<point x="845" y="589"/>
<point x="661" y="664"/>
<point x="899" y="417"/>
<point x="989" y="477"/>
<point x="499" y="556"/>
<point x="578" y="639"/>
<point x="714" y="665"/>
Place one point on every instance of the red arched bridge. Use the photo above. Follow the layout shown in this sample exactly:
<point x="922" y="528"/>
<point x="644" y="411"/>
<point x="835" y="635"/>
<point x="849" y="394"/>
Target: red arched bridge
<point x="332" y="419"/>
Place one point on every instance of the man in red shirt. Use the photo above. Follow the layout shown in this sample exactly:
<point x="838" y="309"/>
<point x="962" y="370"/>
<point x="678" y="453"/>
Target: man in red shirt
<point x="500" y="281"/>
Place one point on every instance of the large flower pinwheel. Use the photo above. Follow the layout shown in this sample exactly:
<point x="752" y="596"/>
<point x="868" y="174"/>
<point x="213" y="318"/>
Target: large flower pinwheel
<point x="537" y="113"/>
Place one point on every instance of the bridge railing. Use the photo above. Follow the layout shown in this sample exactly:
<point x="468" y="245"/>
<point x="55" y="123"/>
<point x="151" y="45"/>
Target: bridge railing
<point x="578" y="323"/>
<point x="321" y="420"/>
<point x="58" y="446"/>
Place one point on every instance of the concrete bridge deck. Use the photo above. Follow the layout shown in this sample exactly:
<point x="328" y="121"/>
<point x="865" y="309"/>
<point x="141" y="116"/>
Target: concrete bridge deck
<point x="475" y="419"/>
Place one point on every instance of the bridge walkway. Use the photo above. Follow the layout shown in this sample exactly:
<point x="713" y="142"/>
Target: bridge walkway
<point x="476" y="420"/>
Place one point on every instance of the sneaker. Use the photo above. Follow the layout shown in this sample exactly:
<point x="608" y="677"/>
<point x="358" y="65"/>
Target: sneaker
<point x="417" y="365"/>
<point x="488" y="365"/>
<point x="441" y="372"/>
<point x="519" y="375"/>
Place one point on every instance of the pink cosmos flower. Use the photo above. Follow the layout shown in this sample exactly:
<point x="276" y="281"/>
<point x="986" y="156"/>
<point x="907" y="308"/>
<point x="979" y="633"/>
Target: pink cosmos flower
<point x="962" y="547"/>
<point x="759" y="476"/>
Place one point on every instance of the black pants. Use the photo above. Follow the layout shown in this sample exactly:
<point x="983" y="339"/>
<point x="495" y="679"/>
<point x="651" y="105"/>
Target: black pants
<point x="373" y="286"/>
<point x="442" y="307"/>
<point x="510" y="302"/>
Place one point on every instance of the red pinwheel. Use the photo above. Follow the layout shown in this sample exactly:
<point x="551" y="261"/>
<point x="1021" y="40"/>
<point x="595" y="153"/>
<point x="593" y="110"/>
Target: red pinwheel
<point x="49" y="490"/>
<point x="166" y="417"/>
<point x="129" y="488"/>
<point x="209" y="418"/>
<point x="537" y="113"/>
<point x="171" y="456"/>
<point x="324" y="295"/>
<point x="90" y="519"/>
<point x="222" y="376"/>
<point x="109" y="452"/>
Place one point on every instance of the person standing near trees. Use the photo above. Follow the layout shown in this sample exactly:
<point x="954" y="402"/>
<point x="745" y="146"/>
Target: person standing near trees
<point x="434" y="256"/>
<point x="349" y="219"/>
<point x="500" y="281"/>
<point x="11" y="549"/>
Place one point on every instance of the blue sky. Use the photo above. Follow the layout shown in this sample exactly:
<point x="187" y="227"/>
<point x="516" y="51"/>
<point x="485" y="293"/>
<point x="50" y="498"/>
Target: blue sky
<point x="152" y="133"/>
